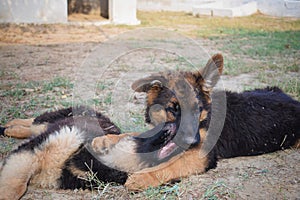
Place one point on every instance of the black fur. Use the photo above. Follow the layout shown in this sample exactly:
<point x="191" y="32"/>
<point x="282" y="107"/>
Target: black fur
<point x="84" y="161"/>
<point x="2" y="129"/>
<point x="257" y="122"/>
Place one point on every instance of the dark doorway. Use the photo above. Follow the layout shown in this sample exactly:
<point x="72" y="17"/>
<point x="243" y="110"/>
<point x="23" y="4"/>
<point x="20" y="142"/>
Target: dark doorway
<point x="88" y="10"/>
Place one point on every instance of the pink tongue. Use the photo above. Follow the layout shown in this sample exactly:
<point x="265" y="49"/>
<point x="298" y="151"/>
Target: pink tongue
<point x="167" y="150"/>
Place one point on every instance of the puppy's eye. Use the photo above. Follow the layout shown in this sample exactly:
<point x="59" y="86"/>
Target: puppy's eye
<point x="200" y="109"/>
<point x="176" y="107"/>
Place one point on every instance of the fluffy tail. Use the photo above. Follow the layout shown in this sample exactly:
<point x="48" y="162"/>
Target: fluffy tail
<point x="2" y="129"/>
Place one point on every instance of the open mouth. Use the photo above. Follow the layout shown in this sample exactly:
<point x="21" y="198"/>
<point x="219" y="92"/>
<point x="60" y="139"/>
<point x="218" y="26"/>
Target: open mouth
<point x="168" y="147"/>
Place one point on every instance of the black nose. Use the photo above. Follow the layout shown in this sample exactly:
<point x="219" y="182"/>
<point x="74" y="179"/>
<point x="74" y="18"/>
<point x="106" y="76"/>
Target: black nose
<point x="193" y="141"/>
<point x="185" y="139"/>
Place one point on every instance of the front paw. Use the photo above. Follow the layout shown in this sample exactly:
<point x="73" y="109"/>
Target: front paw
<point x="102" y="145"/>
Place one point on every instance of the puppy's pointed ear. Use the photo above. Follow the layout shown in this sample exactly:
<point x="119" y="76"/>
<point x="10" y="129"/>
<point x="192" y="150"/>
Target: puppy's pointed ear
<point x="140" y="85"/>
<point x="212" y="71"/>
<point x="145" y="84"/>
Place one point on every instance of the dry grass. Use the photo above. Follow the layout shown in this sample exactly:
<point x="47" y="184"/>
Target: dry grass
<point x="205" y="26"/>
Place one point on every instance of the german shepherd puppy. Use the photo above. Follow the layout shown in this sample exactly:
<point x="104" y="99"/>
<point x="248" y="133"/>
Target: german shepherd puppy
<point x="56" y="157"/>
<point x="255" y="122"/>
<point x="69" y="144"/>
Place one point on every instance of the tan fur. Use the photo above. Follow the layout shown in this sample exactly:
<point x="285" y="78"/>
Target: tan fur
<point x="202" y="133"/>
<point x="19" y="122"/>
<point x="158" y="117"/>
<point x="21" y="132"/>
<point x="43" y="165"/>
<point x="219" y="62"/>
<point x="153" y="94"/>
<point x="77" y="172"/>
<point x="121" y="150"/>
<point x="297" y="144"/>
<point x="203" y="115"/>
<point x="23" y="128"/>
<point x="18" y="131"/>
<point x="173" y="169"/>
<point x="53" y="154"/>
<point x="108" y="141"/>
<point x="13" y="183"/>
<point x="38" y="129"/>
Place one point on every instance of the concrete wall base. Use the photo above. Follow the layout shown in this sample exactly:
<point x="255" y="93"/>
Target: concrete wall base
<point x="226" y="9"/>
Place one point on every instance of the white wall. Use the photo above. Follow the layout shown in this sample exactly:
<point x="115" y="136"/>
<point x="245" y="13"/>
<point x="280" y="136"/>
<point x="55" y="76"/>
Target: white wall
<point x="287" y="8"/>
<point x="56" y="11"/>
<point x="123" y="12"/>
<point x="34" y="11"/>
<point x="169" y="5"/>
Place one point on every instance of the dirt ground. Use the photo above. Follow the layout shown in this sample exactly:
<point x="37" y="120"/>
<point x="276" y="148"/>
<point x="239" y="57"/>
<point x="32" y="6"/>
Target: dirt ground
<point x="38" y="53"/>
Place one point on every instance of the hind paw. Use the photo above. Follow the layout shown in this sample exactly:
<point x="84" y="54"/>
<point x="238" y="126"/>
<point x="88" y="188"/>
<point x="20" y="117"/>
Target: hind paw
<point x="18" y="131"/>
<point x="19" y="122"/>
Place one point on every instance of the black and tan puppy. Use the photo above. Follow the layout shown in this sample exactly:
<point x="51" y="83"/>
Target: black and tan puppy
<point x="252" y="123"/>
<point x="57" y="156"/>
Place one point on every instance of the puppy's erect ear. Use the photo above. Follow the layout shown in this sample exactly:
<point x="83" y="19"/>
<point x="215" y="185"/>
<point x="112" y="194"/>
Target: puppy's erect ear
<point x="145" y="84"/>
<point x="212" y="71"/>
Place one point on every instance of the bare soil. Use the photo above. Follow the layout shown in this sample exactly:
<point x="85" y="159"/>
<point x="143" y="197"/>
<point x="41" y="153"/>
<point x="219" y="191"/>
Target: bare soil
<point x="35" y="53"/>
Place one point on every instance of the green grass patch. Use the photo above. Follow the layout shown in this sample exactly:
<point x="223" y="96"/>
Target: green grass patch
<point x="235" y="67"/>
<point x="290" y="85"/>
<point x="7" y="145"/>
<point x="163" y="192"/>
<point x="17" y="93"/>
<point x="31" y="98"/>
<point x="258" y="43"/>
<point x="218" y="190"/>
<point x="134" y="123"/>
<point x="293" y="68"/>
<point x="57" y="82"/>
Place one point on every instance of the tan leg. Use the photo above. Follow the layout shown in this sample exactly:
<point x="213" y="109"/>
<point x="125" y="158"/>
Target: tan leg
<point x="20" y="122"/>
<point x="18" y="131"/>
<point x="180" y="166"/>
<point x="15" y="175"/>
<point x="21" y="132"/>
<point x="19" y="128"/>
